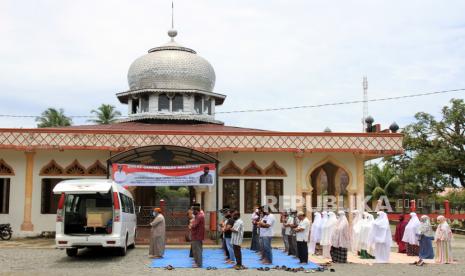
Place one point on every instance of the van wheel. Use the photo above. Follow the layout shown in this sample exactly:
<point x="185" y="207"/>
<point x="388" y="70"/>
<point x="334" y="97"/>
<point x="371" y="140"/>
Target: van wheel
<point x="71" y="252"/>
<point x="123" y="250"/>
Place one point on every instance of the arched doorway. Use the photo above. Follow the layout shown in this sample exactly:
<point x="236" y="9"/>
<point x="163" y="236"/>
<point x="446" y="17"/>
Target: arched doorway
<point x="329" y="179"/>
<point x="176" y="199"/>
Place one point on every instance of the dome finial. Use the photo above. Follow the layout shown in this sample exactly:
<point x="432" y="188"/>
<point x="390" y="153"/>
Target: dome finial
<point x="172" y="33"/>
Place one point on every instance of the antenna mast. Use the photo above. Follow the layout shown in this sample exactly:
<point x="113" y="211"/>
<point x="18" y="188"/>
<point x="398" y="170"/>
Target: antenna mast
<point x="365" y="102"/>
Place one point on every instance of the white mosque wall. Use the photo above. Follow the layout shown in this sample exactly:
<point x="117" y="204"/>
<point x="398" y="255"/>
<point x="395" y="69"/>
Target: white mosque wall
<point x="46" y="222"/>
<point x="17" y="160"/>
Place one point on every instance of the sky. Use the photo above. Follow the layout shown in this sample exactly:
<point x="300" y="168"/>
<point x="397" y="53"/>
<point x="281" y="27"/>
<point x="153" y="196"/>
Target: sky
<point x="270" y="53"/>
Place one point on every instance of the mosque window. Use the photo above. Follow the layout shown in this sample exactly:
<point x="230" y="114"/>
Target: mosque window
<point x="144" y="104"/>
<point x="231" y="193"/>
<point x="163" y="103"/>
<point x="52" y="168"/>
<point x="253" y="194"/>
<point x="274" y="192"/>
<point x="4" y="195"/>
<point x="5" y="169"/>
<point x="208" y="106"/>
<point x="253" y="169"/>
<point x="49" y="200"/>
<point x="135" y="105"/>
<point x="75" y="168"/>
<point x="177" y="103"/>
<point x="198" y="104"/>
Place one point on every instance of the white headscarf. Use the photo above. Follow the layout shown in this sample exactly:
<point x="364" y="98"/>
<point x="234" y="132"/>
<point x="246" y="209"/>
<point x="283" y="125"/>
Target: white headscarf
<point x="328" y="229"/>
<point x="341" y="236"/>
<point x="324" y="219"/>
<point x="411" y="230"/>
<point x="381" y="231"/>
<point x="315" y="234"/>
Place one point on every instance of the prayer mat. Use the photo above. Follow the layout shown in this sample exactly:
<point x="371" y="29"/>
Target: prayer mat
<point x="179" y="258"/>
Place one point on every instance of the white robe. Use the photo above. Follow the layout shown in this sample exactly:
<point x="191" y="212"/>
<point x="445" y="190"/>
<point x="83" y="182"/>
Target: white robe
<point x="355" y="233"/>
<point x="365" y="233"/>
<point x="315" y="233"/>
<point x="410" y="233"/>
<point x="381" y="238"/>
<point x="328" y="229"/>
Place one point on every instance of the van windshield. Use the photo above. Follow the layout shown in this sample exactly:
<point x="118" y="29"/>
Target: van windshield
<point x="88" y="213"/>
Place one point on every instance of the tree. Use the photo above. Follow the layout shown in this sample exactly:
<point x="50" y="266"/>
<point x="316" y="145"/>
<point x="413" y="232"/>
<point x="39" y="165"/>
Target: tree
<point x="53" y="117"/>
<point x="380" y="180"/>
<point x="106" y="114"/>
<point x="437" y="147"/>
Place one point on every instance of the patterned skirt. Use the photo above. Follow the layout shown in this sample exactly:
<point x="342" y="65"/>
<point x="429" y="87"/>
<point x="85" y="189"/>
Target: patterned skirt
<point x="413" y="250"/>
<point x="338" y="254"/>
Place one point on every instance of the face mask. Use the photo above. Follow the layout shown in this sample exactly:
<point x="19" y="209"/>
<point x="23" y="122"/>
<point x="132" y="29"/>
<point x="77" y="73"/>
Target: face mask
<point x="154" y="213"/>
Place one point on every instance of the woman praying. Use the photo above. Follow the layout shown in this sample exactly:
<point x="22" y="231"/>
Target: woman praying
<point x="443" y="240"/>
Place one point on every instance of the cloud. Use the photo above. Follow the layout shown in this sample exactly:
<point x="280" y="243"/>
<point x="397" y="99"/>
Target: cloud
<point x="75" y="55"/>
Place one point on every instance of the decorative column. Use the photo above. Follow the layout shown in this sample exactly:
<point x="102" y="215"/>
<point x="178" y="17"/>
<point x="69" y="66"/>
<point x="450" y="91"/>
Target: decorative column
<point x="298" y="156"/>
<point x="28" y="186"/>
<point x="360" y="167"/>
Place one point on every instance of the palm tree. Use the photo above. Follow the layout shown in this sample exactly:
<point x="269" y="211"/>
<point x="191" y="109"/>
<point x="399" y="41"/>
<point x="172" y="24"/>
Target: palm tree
<point x="106" y="114"/>
<point x="53" y="117"/>
<point x="380" y="181"/>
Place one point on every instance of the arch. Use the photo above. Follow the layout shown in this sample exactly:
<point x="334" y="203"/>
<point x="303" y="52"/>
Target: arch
<point x="252" y="169"/>
<point x="275" y="170"/>
<point x="6" y="169"/>
<point x="75" y="168"/>
<point x="162" y="155"/>
<point x="328" y="159"/>
<point x="52" y="169"/>
<point x="230" y="169"/>
<point x="97" y="169"/>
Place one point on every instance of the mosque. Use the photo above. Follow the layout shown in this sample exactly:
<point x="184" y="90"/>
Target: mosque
<point x="170" y="120"/>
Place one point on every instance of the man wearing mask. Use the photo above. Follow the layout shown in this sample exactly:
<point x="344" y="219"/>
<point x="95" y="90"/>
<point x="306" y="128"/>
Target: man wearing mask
<point x="266" y="234"/>
<point x="254" y="246"/>
<point x="302" y="231"/>
<point x="228" y="234"/>
<point x="157" y="235"/>
<point x="198" y="235"/>
<point x="236" y="239"/>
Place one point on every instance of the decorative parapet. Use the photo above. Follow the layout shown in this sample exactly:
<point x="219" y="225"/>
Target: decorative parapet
<point x="208" y="141"/>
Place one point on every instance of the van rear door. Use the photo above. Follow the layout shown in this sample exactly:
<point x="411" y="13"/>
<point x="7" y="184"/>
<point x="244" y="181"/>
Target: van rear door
<point x="80" y="186"/>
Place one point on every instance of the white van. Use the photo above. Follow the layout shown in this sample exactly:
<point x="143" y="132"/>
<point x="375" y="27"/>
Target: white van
<point x="94" y="212"/>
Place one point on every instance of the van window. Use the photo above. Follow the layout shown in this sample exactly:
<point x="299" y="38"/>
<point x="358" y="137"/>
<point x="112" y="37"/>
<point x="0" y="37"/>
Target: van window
<point x="80" y="207"/>
<point x="127" y="204"/>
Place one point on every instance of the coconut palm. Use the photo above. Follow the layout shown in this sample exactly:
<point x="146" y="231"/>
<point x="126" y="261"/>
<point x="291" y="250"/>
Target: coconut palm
<point x="380" y="181"/>
<point x="53" y="117"/>
<point x="106" y="114"/>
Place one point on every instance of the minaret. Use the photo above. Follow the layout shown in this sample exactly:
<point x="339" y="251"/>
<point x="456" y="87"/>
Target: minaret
<point x="365" y="102"/>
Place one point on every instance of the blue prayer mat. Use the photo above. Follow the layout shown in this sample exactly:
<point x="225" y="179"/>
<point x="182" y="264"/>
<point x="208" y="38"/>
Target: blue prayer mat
<point x="179" y="258"/>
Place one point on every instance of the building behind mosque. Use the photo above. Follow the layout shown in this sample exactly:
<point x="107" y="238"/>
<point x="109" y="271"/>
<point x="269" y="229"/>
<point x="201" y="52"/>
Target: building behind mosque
<point x="171" y="106"/>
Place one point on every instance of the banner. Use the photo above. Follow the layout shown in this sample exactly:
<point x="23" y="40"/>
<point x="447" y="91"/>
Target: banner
<point x="143" y="175"/>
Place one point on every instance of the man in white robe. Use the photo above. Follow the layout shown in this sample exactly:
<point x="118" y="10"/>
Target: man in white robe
<point x="381" y="238"/>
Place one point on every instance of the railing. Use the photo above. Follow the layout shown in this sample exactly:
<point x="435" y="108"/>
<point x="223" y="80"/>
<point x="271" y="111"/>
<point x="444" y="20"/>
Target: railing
<point x="175" y="215"/>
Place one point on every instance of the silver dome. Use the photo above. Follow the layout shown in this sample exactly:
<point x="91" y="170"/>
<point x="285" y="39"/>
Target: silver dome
<point x="171" y="66"/>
